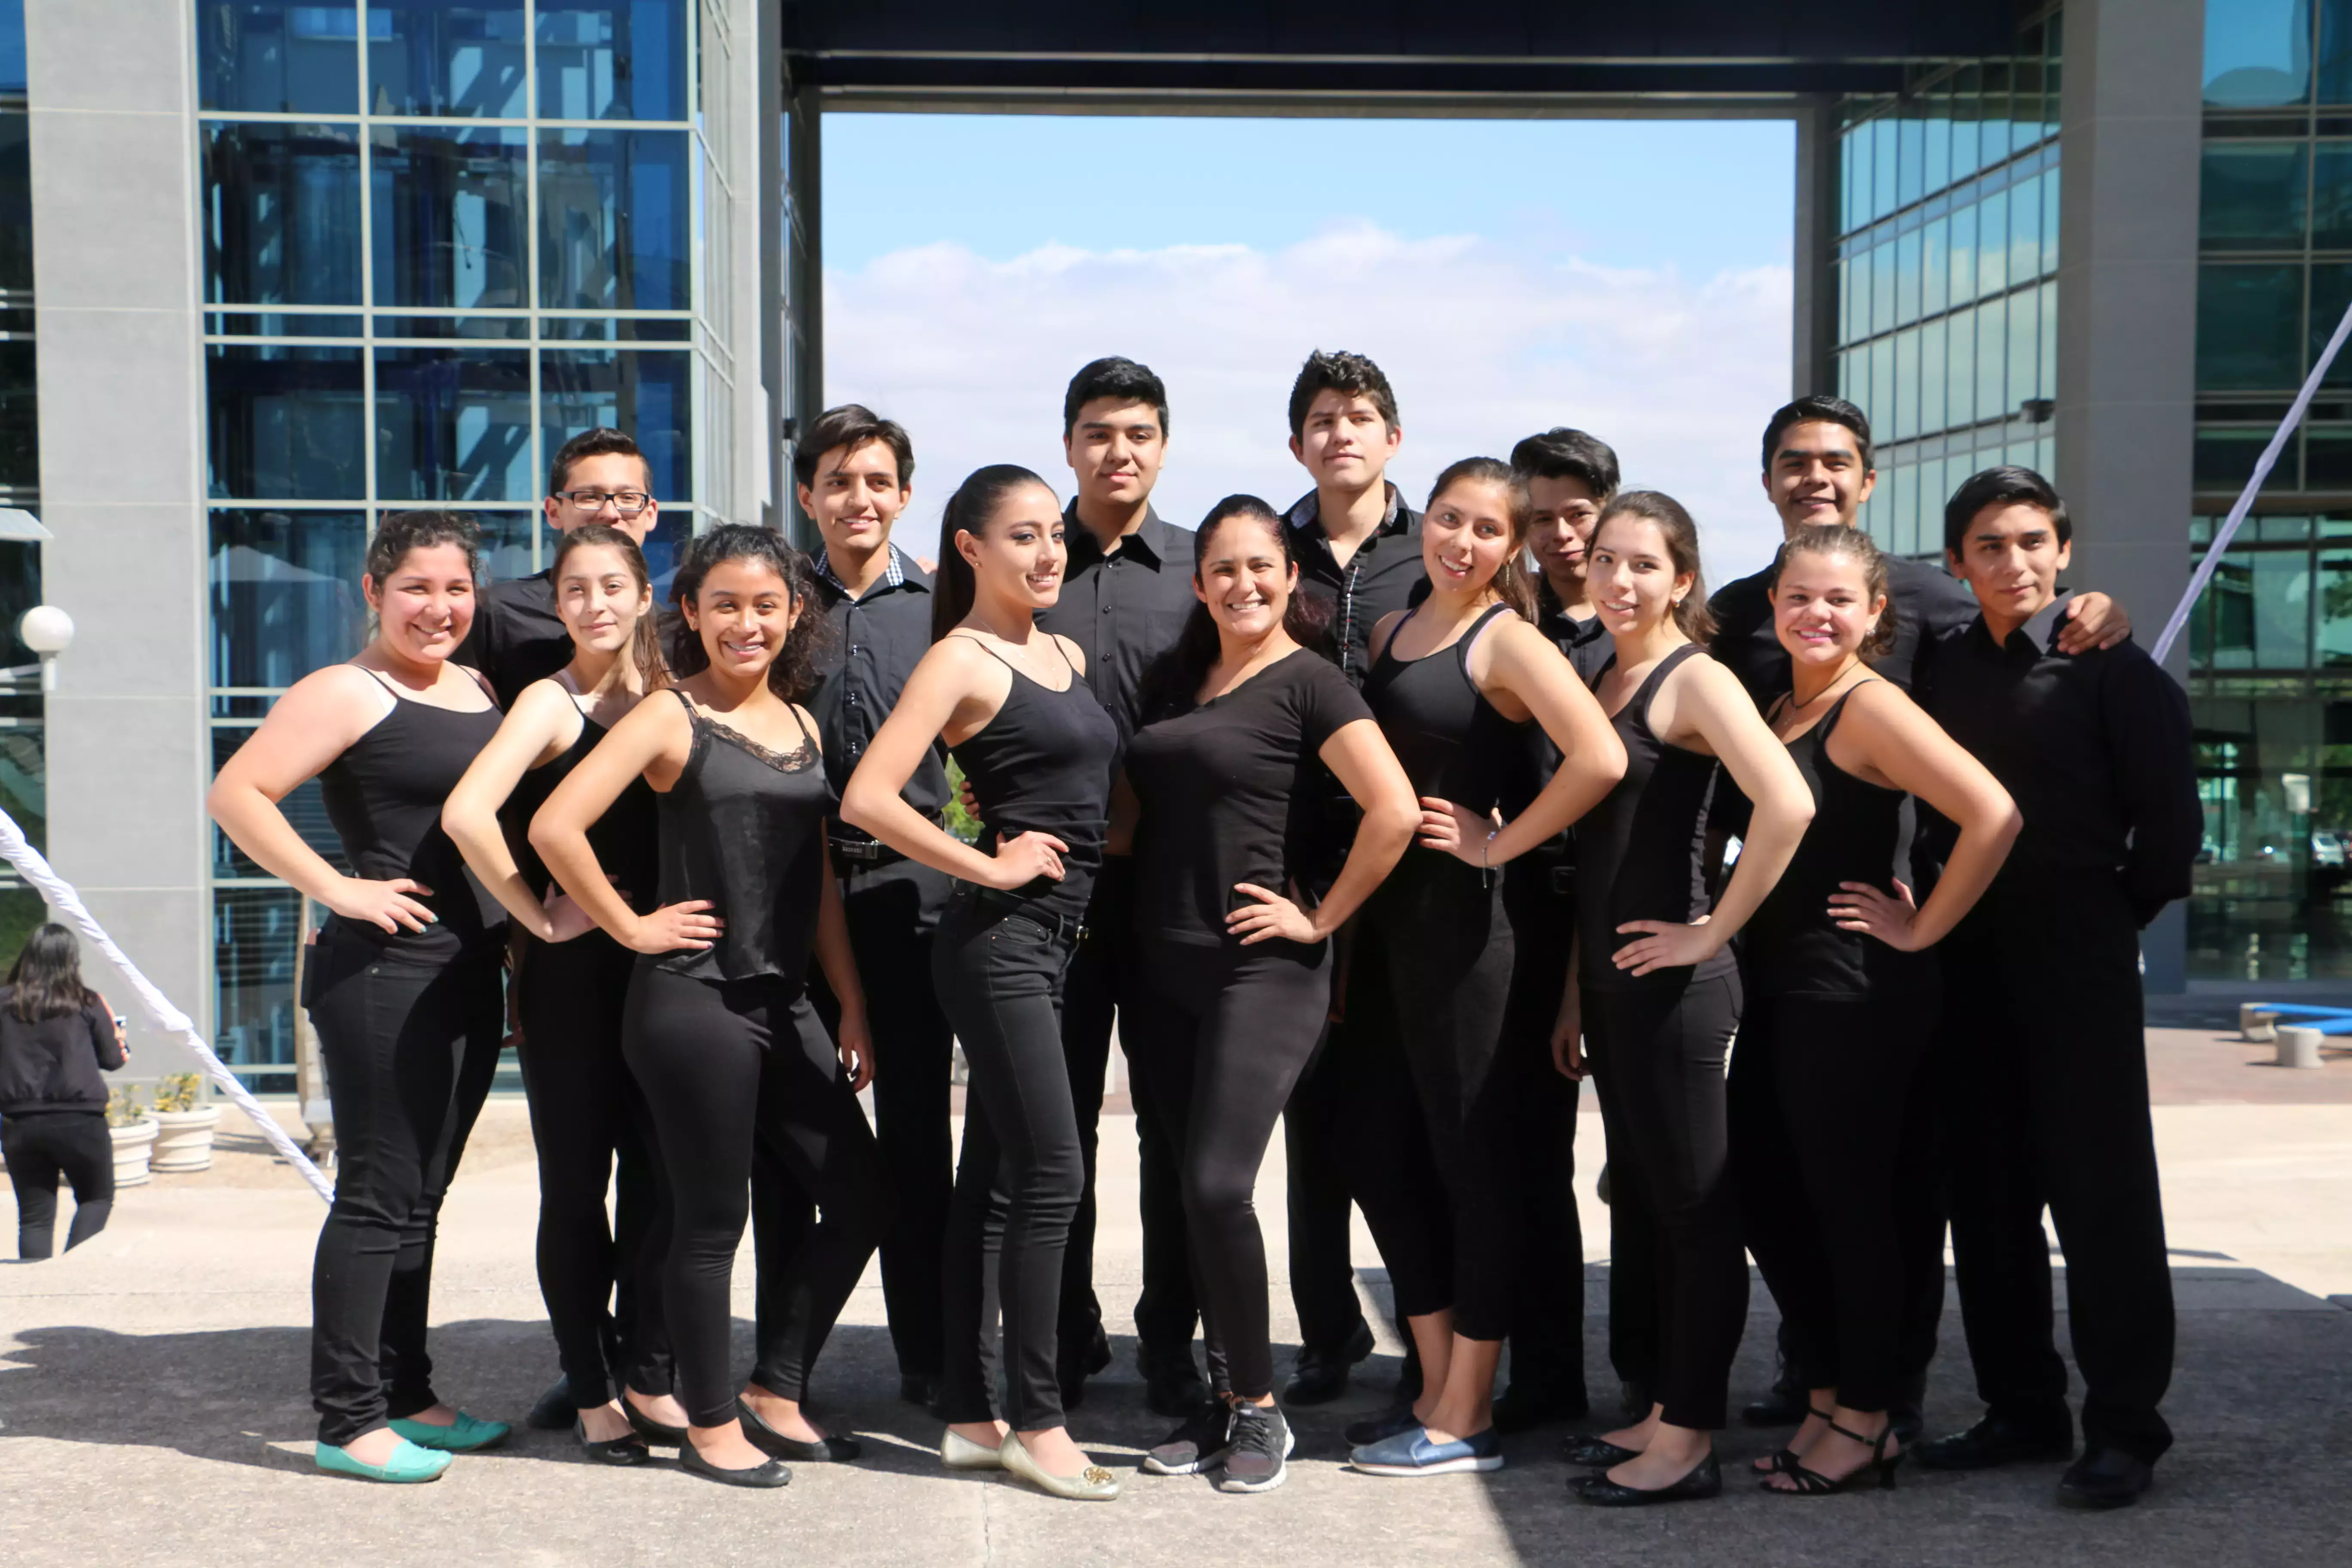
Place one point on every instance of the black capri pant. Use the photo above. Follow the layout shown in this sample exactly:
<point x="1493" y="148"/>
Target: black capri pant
<point x="1223" y="1033"/>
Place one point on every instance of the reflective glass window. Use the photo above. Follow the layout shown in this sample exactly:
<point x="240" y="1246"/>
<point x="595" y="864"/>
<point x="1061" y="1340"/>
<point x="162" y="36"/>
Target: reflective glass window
<point x="284" y="594"/>
<point x="1967" y="141"/>
<point x="16" y="202"/>
<point x="1992" y="129"/>
<point x="1964" y="255"/>
<point x="508" y="538"/>
<point x="1940" y="143"/>
<point x="1882" y="288"/>
<point x="1992" y="382"/>
<point x="2046" y="308"/>
<point x="287" y="422"/>
<point x="2335" y="607"/>
<point x="614" y="228"/>
<point x="2050" y="199"/>
<point x="1992" y="244"/>
<point x="2251" y="195"/>
<point x="281" y="213"/>
<point x="2335" y="72"/>
<point x="2263" y="610"/>
<point x="1882" y="390"/>
<point x="453" y="424"/>
<point x="2331" y="296"/>
<point x="1961" y="368"/>
<point x="1854" y="375"/>
<point x="2025" y="230"/>
<point x="1931" y="375"/>
<point x="1905" y="401"/>
<point x="1910" y="160"/>
<point x="1885" y="174"/>
<point x="1849" y="328"/>
<point x="20" y="443"/>
<point x="2024" y="348"/>
<point x="257" y="934"/>
<point x="1907" y="278"/>
<point x="2327" y="457"/>
<point x="450" y="208"/>
<point x="1935" y="267"/>
<point x="2224" y="459"/>
<point x="1856" y="178"/>
<point x="2331" y="196"/>
<point x="643" y="391"/>
<point x="612" y="60"/>
<point x="2249" y="327"/>
<point x="2257" y="53"/>
<point x="277" y="58"/>
<point x="12" y="45"/>
<point x="446" y="57"/>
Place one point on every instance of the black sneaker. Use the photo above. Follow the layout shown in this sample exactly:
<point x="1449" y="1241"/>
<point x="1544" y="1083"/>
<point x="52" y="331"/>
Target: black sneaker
<point x="1200" y="1443"/>
<point x="1261" y="1443"/>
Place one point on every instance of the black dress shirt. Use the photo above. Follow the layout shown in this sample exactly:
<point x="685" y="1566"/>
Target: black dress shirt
<point x="2095" y="747"/>
<point x="1929" y="605"/>
<point x="1587" y="648"/>
<point x="1123" y="609"/>
<point x="1382" y="577"/>
<point x="517" y="637"/>
<point x="875" y="644"/>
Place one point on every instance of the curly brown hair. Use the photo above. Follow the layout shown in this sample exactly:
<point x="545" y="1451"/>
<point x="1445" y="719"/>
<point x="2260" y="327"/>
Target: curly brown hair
<point x="793" y="675"/>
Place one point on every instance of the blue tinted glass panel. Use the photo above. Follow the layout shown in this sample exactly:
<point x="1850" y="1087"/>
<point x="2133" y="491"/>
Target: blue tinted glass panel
<point x="2331" y="296"/>
<point x="2334" y="74"/>
<point x="281" y="213"/>
<point x="1992" y="243"/>
<point x="2046" y="307"/>
<point x="287" y="422"/>
<point x="1906" y="385"/>
<point x="12" y="45"/>
<point x="2331" y="196"/>
<point x="453" y="424"/>
<point x="1931" y="376"/>
<point x="2251" y="196"/>
<point x="1907" y="278"/>
<point x="614" y="227"/>
<point x="16" y="202"/>
<point x="284" y="594"/>
<point x="2334" y="608"/>
<point x="618" y="329"/>
<point x="2225" y="458"/>
<point x="662" y="547"/>
<point x="1911" y="161"/>
<point x="2257" y="53"/>
<point x="1884" y="171"/>
<point x="2050" y="178"/>
<point x="446" y="57"/>
<point x="2025" y="230"/>
<point x="1967" y="109"/>
<point x="1854" y="178"/>
<point x="640" y="391"/>
<point x="1992" y="129"/>
<point x="1935" y="267"/>
<point x="256" y="933"/>
<point x="1882" y="288"/>
<point x="478" y="328"/>
<point x="450" y="210"/>
<point x="1961" y="368"/>
<point x="2249" y="327"/>
<point x="612" y="60"/>
<point x="1964" y="255"/>
<point x="281" y="324"/>
<point x="276" y="58"/>
<point x="1883" y="391"/>
<point x="2024" y="347"/>
<point x="1940" y="143"/>
<point x="1992" y="338"/>
<point x="507" y="540"/>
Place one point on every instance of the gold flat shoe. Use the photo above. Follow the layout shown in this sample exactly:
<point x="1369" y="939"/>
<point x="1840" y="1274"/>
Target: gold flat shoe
<point x="1093" y="1484"/>
<point x="958" y="1452"/>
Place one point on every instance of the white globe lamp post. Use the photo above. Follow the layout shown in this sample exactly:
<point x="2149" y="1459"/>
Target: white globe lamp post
<point x="47" y="631"/>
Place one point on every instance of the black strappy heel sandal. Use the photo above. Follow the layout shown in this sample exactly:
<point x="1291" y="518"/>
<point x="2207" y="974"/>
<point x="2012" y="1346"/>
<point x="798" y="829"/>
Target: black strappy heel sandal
<point x="1878" y="1467"/>
<point x="1784" y="1459"/>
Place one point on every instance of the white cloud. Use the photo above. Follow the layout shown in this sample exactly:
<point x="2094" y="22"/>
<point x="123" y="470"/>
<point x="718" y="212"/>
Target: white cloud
<point x="1483" y="343"/>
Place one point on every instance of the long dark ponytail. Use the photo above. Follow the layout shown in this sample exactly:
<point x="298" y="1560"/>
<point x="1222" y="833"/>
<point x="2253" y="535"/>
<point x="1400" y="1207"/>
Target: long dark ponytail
<point x="793" y="674"/>
<point x="1168" y="684"/>
<point x="967" y="510"/>
<point x="1511" y="583"/>
<point x="645" y="644"/>
<point x="46" y="975"/>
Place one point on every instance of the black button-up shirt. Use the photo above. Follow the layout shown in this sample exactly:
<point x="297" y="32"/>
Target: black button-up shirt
<point x="1382" y="577"/>
<point x="2095" y="747"/>
<point x="1929" y="605"/>
<point x="1123" y="609"/>
<point x="875" y="644"/>
<point x="517" y="637"/>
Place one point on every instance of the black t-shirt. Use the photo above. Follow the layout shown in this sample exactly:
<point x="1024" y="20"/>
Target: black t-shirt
<point x="1228" y="790"/>
<point x="517" y="637"/>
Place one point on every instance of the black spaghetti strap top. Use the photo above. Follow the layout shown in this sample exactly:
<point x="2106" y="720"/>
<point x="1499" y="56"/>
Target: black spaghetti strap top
<point x="1641" y="854"/>
<point x="1453" y="744"/>
<point x="385" y="796"/>
<point x="626" y="839"/>
<point x="1044" y="764"/>
<point x="1790" y="946"/>
<point x="744" y="828"/>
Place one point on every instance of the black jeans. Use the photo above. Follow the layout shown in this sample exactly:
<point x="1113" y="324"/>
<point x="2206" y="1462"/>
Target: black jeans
<point x="727" y="1067"/>
<point x="410" y="1049"/>
<point x="1018" y="1181"/>
<point x="1540" y="1137"/>
<point x="1316" y="1200"/>
<point x="2041" y="1078"/>
<point x="42" y="1146"/>
<point x="1822" y="1093"/>
<point x="1679" y="1276"/>
<point x="586" y="1115"/>
<point x="1222" y="1034"/>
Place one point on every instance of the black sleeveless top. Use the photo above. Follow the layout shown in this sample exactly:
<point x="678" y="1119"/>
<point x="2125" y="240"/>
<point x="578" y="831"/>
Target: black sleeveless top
<point x="1453" y="744"/>
<point x="1790" y="946"/>
<point x="1044" y="765"/>
<point x="744" y="828"/>
<point x="626" y="839"/>
<point x="1641" y="854"/>
<point x="385" y="796"/>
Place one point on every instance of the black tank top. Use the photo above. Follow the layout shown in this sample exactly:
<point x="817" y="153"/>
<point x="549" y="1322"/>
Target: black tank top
<point x="1791" y="947"/>
<point x="744" y="828"/>
<point x="1453" y="744"/>
<point x="1044" y="765"/>
<point x="1641" y="854"/>
<point x="626" y="839"/>
<point x="385" y="796"/>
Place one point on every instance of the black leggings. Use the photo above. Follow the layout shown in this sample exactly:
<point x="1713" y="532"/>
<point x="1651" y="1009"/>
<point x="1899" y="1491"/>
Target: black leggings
<point x="1678" y="1277"/>
<point x="410" y="1049"/>
<point x="1818" y="1136"/>
<point x="1223" y="1035"/>
<point x="729" y="1067"/>
<point x="1539" y="1137"/>
<point x="1018" y="1180"/>
<point x="42" y="1145"/>
<point x="586" y="1112"/>
<point x="1427" y="985"/>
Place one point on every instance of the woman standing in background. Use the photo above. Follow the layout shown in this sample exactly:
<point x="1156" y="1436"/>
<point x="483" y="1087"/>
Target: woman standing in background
<point x="56" y="1035"/>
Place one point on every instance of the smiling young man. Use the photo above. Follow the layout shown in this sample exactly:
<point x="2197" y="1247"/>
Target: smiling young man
<point x="2041" y="1057"/>
<point x="1569" y="476"/>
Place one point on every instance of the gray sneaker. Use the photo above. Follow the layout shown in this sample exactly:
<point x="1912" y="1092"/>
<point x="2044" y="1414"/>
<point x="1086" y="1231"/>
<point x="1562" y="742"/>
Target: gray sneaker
<point x="1261" y="1444"/>
<point x="1199" y="1444"/>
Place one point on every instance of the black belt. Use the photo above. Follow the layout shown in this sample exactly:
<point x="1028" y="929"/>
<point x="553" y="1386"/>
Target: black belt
<point x="862" y="854"/>
<point x="1008" y="906"/>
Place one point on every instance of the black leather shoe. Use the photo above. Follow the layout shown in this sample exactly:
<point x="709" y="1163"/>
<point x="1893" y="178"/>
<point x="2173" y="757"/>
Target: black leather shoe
<point x="768" y="1474"/>
<point x="1379" y="1428"/>
<point x="1524" y="1406"/>
<point x="1173" y="1386"/>
<point x="1594" y="1451"/>
<point x="825" y="1450"/>
<point x="2105" y="1477"/>
<point x="1704" y="1481"/>
<point x="915" y="1388"/>
<point x="619" y="1452"/>
<point x="554" y="1411"/>
<point x="1995" y="1441"/>
<point x="653" y="1431"/>
<point x="1320" y="1376"/>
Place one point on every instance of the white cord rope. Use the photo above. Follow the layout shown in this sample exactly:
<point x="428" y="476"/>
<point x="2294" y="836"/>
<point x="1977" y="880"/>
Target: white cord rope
<point x="62" y="898"/>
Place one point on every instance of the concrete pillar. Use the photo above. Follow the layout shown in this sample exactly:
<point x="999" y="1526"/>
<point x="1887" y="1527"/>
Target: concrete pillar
<point x="121" y="426"/>
<point x="1814" y="311"/>
<point x="2131" y="111"/>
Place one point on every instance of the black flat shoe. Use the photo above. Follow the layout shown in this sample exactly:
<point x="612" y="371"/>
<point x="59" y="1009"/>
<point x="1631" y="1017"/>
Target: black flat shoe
<point x="767" y="1474"/>
<point x="1320" y="1376"/>
<point x="619" y="1452"/>
<point x="1521" y="1408"/>
<point x="1595" y="1452"/>
<point x="1704" y="1481"/>
<point x="554" y="1411"/>
<point x="825" y="1450"/>
<point x="653" y="1431"/>
<point x="1996" y="1441"/>
<point x="2103" y="1479"/>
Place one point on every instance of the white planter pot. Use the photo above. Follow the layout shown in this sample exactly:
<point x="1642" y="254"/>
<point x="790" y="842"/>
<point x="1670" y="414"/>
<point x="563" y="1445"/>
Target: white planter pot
<point x="134" y="1146"/>
<point x="184" y="1140"/>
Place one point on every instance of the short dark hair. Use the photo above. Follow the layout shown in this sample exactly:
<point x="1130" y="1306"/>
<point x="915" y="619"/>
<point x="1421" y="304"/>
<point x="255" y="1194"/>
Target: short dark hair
<point x="852" y="425"/>
<point x="1560" y="453"/>
<point x="1339" y="371"/>
<point x="600" y="442"/>
<point x="2008" y="485"/>
<point x="1113" y="376"/>
<point x="1818" y="410"/>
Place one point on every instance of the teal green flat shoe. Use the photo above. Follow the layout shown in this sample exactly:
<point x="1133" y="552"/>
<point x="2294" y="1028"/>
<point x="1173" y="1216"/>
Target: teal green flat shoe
<point x="408" y="1465"/>
<point x="463" y="1435"/>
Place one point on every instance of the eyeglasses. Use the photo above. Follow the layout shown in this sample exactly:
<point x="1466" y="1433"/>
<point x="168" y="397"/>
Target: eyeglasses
<point x="628" y="503"/>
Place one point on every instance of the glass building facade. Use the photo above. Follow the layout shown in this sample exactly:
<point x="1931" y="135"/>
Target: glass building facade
<point x="23" y="792"/>
<point x="439" y="238"/>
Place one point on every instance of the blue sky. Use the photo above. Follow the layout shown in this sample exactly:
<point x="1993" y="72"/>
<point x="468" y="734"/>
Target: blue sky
<point x="1630" y="277"/>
